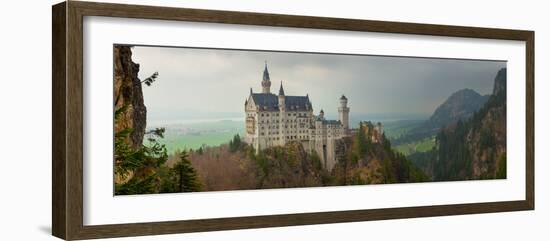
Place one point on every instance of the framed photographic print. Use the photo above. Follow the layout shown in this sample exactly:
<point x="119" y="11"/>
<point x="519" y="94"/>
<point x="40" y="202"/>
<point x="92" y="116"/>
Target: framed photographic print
<point x="171" y="120"/>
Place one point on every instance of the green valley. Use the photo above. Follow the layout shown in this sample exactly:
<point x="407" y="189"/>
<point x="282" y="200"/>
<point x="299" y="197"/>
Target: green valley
<point x="422" y="145"/>
<point x="196" y="134"/>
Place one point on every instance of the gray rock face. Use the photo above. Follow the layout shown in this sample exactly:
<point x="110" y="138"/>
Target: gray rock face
<point x="500" y="82"/>
<point x="128" y="92"/>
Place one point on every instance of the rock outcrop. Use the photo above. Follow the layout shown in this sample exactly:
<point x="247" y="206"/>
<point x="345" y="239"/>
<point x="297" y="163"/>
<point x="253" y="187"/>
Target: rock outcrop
<point x="500" y="83"/>
<point x="128" y="94"/>
<point x="130" y="111"/>
<point x="472" y="149"/>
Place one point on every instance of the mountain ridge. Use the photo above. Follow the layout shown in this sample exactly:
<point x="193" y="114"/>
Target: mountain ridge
<point x="460" y="105"/>
<point x="472" y="149"/>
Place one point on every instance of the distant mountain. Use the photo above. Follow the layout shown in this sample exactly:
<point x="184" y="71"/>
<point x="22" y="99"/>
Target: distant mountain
<point x="473" y="149"/>
<point x="461" y="105"/>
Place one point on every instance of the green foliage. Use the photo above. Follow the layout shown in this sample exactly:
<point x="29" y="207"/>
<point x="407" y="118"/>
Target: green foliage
<point x="137" y="186"/>
<point x="262" y="163"/>
<point x="410" y="148"/>
<point x="394" y="166"/>
<point x="454" y="160"/>
<point x="316" y="160"/>
<point x="388" y="172"/>
<point x="185" y="176"/>
<point x="359" y="145"/>
<point x="151" y="79"/>
<point x="200" y="151"/>
<point x="235" y="144"/>
<point x="142" y="160"/>
<point x="501" y="169"/>
<point x="357" y="180"/>
<point x="159" y="132"/>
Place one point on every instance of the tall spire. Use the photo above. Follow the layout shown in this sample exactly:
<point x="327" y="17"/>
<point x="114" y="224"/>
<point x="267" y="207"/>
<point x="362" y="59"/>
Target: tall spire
<point x="266" y="73"/>
<point x="281" y="90"/>
<point x="266" y="83"/>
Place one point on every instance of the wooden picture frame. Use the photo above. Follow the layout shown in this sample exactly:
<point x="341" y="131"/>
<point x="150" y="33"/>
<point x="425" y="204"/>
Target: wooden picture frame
<point x="67" y="123"/>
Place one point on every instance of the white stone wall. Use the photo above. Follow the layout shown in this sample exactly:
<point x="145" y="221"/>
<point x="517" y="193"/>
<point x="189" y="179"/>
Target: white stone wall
<point x="276" y="128"/>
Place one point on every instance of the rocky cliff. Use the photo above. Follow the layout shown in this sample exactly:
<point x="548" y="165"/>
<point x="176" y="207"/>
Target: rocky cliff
<point x="487" y="136"/>
<point x="130" y="111"/>
<point x="472" y="149"/>
<point x="377" y="163"/>
<point x="499" y="87"/>
<point x="128" y="95"/>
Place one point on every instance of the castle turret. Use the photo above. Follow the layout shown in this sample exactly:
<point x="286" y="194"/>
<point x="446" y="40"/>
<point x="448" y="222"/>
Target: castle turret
<point x="281" y="97"/>
<point x="343" y="112"/>
<point x="322" y="114"/>
<point x="266" y="82"/>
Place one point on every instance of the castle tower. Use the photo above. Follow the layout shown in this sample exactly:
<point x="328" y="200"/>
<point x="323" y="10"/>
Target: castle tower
<point x="343" y="112"/>
<point x="281" y="98"/>
<point x="266" y="82"/>
<point x="322" y="114"/>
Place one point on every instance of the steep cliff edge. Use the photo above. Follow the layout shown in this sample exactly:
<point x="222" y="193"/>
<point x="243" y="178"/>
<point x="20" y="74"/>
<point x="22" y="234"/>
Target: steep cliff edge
<point x="128" y="95"/>
<point x="487" y="136"/>
<point x="130" y="111"/>
<point x="472" y="149"/>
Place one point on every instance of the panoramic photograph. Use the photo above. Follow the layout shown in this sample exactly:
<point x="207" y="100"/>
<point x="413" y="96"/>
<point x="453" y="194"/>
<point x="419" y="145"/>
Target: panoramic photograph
<point x="202" y="119"/>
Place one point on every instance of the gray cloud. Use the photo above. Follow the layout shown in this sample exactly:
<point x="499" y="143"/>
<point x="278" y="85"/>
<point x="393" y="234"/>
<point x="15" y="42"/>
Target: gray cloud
<point x="213" y="82"/>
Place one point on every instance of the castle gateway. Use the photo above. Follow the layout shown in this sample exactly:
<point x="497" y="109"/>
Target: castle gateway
<point x="274" y="120"/>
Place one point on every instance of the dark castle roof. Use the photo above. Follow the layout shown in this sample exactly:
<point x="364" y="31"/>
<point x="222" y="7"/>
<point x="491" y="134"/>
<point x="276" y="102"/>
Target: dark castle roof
<point x="332" y="122"/>
<point x="270" y="102"/>
<point x="281" y="90"/>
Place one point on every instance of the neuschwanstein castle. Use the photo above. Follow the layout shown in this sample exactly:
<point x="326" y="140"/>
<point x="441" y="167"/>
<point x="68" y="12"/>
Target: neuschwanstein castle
<point x="273" y="120"/>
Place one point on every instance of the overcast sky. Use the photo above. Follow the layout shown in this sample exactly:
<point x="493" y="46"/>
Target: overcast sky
<point x="209" y="82"/>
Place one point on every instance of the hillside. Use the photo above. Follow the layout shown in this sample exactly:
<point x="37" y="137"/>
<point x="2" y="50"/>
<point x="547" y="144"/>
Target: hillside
<point x="379" y="165"/>
<point x="362" y="161"/>
<point x="461" y="105"/>
<point x="472" y="149"/>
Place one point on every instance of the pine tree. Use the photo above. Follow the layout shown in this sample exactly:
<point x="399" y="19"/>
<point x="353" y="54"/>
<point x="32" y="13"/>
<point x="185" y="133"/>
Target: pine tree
<point x="187" y="178"/>
<point x="235" y="144"/>
<point x="144" y="160"/>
